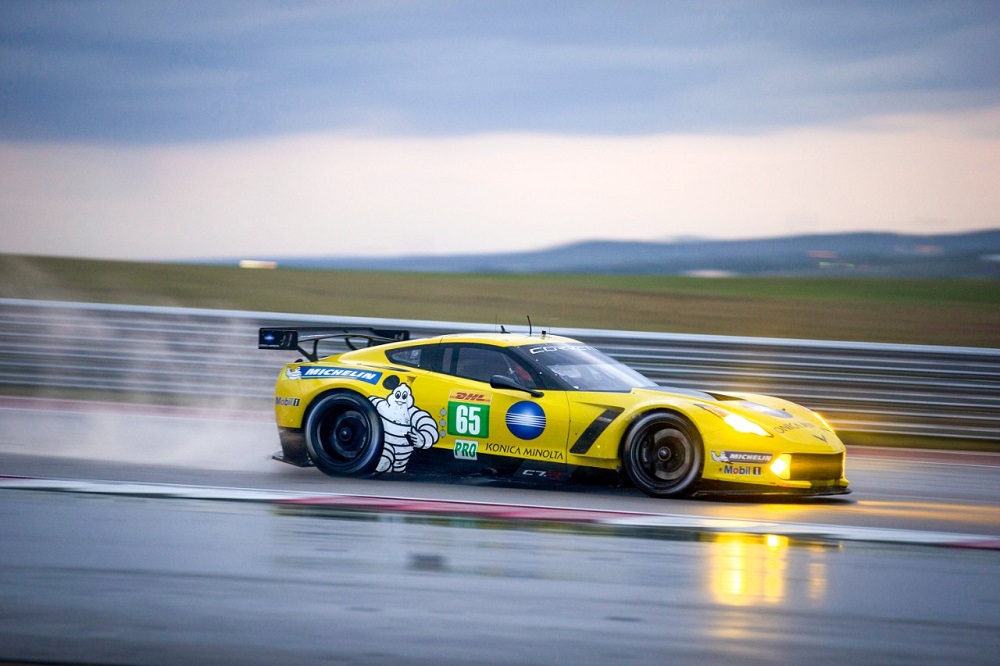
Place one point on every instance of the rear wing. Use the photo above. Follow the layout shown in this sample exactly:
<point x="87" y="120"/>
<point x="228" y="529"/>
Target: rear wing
<point x="292" y="338"/>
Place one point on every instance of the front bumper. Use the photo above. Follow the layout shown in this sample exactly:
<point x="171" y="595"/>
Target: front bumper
<point x="730" y="488"/>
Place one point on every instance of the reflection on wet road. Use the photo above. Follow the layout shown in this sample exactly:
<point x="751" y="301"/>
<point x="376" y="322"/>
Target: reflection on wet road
<point x="136" y="577"/>
<point x="749" y="570"/>
<point x="139" y="580"/>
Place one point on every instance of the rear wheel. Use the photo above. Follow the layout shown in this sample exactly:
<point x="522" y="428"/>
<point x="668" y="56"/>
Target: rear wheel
<point x="663" y="455"/>
<point x="344" y="435"/>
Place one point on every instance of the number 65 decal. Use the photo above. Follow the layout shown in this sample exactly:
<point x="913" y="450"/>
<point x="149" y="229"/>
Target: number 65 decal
<point x="468" y="419"/>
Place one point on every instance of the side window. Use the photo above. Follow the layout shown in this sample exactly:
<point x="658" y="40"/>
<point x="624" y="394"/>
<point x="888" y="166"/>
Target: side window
<point x="409" y="356"/>
<point x="481" y="363"/>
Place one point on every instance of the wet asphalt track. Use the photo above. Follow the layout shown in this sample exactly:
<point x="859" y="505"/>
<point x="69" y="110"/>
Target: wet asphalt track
<point x="133" y="578"/>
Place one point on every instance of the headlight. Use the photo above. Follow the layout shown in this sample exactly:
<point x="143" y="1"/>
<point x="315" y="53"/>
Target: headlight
<point x="741" y="424"/>
<point x="735" y="421"/>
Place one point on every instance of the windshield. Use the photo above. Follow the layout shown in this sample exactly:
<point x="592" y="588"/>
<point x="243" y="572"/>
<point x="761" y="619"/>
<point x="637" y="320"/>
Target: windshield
<point x="583" y="368"/>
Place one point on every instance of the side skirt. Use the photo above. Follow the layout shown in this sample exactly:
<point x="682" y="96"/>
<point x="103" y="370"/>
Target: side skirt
<point x="293" y="447"/>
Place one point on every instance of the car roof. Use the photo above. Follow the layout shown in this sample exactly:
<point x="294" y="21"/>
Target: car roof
<point x="503" y="339"/>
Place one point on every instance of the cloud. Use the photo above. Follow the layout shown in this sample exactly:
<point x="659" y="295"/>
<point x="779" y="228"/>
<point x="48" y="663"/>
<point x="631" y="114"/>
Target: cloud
<point x="159" y="130"/>
<point x="343" y="194"/>
<point x="165" y="72"/>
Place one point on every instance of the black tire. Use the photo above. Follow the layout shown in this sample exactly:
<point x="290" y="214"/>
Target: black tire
<point x="663" y="455"/>
<point x="344" y="435"/>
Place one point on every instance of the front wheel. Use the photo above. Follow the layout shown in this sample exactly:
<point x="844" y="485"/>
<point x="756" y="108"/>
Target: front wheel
<point x="663" y="455"/>
<point x="344" y="435"/>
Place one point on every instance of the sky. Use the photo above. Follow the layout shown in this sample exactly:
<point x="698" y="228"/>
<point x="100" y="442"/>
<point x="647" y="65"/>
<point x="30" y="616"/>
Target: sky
<point x="187" y="130"/>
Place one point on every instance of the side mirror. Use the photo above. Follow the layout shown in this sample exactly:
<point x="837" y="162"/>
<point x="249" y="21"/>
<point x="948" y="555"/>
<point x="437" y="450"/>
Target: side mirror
<point x="505" y="382"/>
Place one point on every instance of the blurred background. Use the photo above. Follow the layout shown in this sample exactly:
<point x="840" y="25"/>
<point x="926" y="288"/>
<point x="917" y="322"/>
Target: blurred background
<point x="571" y="160"/>
<point x="263" y="130"/>
<point x="796" y="197"/>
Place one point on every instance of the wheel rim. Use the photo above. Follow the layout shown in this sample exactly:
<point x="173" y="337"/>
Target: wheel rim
<point x="343" y="435"/>
<point x="346" y="436"/>
<point x="664" y="456"/>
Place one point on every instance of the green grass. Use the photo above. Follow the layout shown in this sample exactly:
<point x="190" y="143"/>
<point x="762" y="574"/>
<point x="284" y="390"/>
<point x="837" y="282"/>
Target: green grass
<point x="945" y="312"/>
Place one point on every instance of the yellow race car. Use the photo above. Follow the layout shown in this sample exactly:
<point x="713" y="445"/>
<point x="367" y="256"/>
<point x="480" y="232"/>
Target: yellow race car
<point x="535" y="407"/>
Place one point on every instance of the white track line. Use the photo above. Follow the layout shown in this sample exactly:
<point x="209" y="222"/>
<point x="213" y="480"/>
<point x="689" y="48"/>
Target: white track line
<point x="508" y="512"/>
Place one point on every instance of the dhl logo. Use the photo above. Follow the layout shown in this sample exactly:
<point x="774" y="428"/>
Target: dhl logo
<point x="470" y="396"/>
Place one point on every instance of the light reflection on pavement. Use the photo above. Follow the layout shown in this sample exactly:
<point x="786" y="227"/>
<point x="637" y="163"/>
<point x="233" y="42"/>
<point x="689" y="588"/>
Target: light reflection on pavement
<point x="98" y="579"/>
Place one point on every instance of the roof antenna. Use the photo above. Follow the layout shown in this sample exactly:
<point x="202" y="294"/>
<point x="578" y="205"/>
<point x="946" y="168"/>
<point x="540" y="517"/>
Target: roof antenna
<point x="502" y="329"/>
<point x="529" y="324"/>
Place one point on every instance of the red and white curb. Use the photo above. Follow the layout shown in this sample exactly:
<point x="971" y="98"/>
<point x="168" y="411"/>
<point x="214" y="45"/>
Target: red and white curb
<point x="521" y="513"/>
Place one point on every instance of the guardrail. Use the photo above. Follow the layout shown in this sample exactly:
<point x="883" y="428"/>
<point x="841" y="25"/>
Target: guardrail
<point x="211" y="355"/>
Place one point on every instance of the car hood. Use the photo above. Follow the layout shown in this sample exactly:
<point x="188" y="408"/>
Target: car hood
<point x="764" y="409"/>
<point x="678" y="392"/>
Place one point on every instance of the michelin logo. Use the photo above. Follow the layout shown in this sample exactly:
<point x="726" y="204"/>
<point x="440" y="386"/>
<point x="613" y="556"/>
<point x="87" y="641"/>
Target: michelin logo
<point x="332" y="372"/>
<point x="728" y="457"/>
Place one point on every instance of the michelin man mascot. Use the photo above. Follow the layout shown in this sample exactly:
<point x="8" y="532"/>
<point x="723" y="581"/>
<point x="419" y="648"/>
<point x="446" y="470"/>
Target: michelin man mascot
<point x="406" y="427"/>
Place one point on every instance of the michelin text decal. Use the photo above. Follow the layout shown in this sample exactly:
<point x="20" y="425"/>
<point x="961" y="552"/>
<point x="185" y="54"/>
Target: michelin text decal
<point x="332" y="372"/>
<point x="740" y="457"/>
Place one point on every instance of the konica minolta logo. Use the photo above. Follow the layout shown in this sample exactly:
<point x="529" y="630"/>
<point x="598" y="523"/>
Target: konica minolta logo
<point x="334" y="372"/>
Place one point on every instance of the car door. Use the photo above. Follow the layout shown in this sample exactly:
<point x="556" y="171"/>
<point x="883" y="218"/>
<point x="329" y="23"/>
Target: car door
<point x="478" y="420"/>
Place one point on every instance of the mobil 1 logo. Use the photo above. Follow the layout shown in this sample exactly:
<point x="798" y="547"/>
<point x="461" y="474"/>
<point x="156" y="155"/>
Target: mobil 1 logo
<point x="469" y="413"/>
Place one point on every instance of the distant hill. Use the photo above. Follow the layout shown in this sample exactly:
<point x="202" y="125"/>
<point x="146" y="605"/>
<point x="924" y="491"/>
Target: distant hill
<point x="970" y="255"/>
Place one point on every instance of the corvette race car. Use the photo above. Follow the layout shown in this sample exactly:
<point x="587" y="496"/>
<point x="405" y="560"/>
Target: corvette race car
<point x="529" y="407"/>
